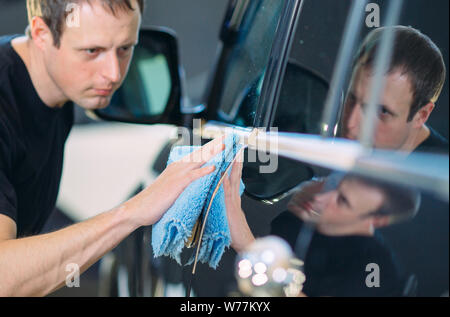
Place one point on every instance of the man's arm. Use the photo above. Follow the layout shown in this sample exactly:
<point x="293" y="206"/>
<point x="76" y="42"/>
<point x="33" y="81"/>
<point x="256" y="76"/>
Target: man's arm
<point x="36" y="266"/>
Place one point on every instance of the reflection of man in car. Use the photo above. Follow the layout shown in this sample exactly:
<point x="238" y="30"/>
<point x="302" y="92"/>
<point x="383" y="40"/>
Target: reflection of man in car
<point x="345" y="241"/>
<point x="356" y="207"/>
<point x="41" y="75"/>
<point x="413" y="84"/>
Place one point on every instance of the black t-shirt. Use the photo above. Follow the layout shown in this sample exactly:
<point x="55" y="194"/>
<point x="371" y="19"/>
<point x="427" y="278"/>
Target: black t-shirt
<point x="32" y="137"/>
<point x="435" y="143"/>
<point x="339" y="266"/>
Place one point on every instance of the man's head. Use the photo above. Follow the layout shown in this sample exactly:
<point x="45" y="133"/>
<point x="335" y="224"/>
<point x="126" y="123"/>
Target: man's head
<point x="413" y="83"/>
<point x="359" y="205"/>
<point x="85" y="45"/>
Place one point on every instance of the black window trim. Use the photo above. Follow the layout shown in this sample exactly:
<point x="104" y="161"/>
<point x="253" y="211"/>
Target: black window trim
<point x="276" y="66"/>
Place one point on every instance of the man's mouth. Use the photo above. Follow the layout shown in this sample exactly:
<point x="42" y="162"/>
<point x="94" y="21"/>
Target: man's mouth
<point x="349" y="136"/>
<point x="103" y="92"/>
<point x="309" y="210"/>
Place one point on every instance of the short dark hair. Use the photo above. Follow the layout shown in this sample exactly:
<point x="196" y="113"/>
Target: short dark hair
<point x="53" y="12"/>
<point x="400" y="203"/>
<point x="416" y="56"/>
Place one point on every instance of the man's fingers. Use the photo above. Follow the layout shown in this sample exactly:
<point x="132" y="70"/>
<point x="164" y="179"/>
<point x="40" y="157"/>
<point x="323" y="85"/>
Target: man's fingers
<point x="206" y="152"/>
<point x="240" y="162"/>
<point x="200" y="172"/>
<point x="212" y="148"/>
<point x="226" y="186"/>
<point x="236" y="172"/>
<point x="240" y="165"/>
<point x="294" y="209"/>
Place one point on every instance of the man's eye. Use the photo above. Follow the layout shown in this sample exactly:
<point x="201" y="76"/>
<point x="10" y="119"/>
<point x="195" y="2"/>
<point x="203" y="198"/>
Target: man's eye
<point x="350" y="99"/>
<point x="126" y="49"/>
<point x="91" y="51"/>
<point x="383" y="112"/>
<point x="340" y="200"/>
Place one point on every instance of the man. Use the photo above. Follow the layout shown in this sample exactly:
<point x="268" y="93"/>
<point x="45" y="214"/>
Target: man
<point x="41" y="75"/>
<point x="345" y="212"/>
<point x="412" y="86"/>
<point x="352" y="205"/>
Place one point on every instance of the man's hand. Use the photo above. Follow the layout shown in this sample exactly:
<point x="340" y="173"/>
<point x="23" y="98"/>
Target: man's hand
<point x="302" y="202"/>
<point x="149" y="205"/>
<point x="241" y="235"/>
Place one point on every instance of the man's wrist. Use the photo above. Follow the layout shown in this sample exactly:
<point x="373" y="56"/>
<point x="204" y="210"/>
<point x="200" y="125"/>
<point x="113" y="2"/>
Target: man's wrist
<point x="124" y="215"/>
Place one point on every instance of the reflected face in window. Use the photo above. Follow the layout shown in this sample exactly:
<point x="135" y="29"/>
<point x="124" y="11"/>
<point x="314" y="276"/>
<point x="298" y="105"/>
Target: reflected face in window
<point x="345" y="210"/>
<point x="393" y="131"/>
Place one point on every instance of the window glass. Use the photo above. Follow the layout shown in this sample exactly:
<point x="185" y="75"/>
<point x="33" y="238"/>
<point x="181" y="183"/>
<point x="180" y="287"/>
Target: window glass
<point x="310" y="66"/>
<point x="248" y="61"/>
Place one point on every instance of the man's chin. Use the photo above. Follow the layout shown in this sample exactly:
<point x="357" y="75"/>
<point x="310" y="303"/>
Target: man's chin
<point x="96" y="103"/>
<point x="349" y="136"/>
<point x="309" y="217"/>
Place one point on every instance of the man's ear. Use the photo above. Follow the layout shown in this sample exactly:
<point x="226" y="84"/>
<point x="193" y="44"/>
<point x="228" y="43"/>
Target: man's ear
<point x="40" y="33"/>
<point x="364" y="227"/>
<point x="421" y="117"/>
<point x="380" y="221"/>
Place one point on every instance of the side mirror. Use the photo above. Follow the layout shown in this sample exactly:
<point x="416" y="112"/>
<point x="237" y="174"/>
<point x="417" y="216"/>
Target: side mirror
<point x="151" y="92"/>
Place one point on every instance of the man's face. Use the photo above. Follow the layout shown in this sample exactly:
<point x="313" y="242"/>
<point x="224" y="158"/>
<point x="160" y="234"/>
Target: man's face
<point x="392" y="127"/>
<point x="92" y="60"/>
<point x="346" y="209"/>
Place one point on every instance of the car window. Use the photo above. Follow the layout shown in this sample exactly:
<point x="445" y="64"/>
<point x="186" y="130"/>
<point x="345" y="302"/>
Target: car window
<point x="302" y="94"/>
<point x="247" y="63"/>
<point x="310" y="66"/>
<point x="301" y="100"/>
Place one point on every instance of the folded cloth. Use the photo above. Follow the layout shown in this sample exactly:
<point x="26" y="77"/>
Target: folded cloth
<point x="171" y="232"/>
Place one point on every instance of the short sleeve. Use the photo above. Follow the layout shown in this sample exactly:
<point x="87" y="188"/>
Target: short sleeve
<point x="8" y="198"/>
<point x="8" y="201"/>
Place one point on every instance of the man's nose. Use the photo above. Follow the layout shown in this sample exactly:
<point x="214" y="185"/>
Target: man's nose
<point x="353" y="121"/>
<point x="322" y="200"/>
<point x="111" y="68"/>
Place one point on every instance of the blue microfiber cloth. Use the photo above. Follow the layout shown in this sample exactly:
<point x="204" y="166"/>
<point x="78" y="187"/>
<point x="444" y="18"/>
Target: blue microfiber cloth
<point x="171" y="232"/>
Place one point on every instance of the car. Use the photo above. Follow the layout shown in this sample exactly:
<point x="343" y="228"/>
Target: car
<point x="283" y="65"/>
